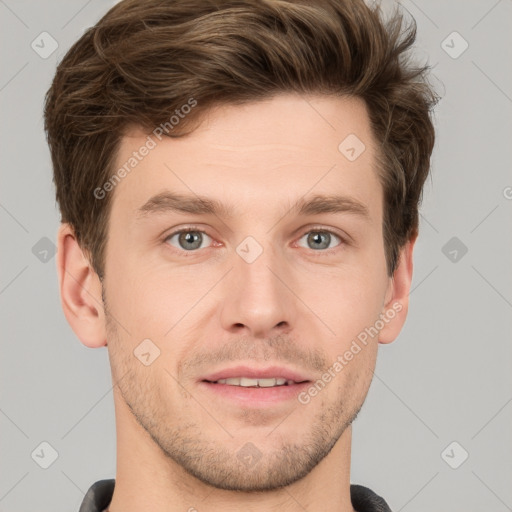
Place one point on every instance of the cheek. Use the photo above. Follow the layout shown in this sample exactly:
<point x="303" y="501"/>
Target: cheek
<point x="355" y="305"/>
<point x="349" y="301"/>
<point x="148" y="296"/>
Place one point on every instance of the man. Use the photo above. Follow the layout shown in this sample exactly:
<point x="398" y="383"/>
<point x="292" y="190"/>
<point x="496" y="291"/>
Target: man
<point x="239" y="183"/>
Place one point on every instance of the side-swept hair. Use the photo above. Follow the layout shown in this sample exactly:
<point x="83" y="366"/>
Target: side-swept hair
<point x="146" y="58"/>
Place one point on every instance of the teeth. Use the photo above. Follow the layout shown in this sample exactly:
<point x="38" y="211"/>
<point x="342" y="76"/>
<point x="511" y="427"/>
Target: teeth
<point x="249" y="382"/>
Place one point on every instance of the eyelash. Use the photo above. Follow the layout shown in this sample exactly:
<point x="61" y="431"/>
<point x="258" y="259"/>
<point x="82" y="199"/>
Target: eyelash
<point x="343" y="240"/>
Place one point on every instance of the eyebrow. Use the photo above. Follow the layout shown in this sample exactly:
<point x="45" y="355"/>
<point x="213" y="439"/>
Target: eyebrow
<point x="200" y="205"/>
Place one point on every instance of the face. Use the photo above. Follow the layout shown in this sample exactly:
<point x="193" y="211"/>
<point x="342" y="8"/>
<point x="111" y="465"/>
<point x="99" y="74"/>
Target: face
<point x="266" y="279"/>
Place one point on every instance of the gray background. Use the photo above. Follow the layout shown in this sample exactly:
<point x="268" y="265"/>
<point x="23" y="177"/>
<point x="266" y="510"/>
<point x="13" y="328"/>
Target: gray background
<point x="448" y="376"/>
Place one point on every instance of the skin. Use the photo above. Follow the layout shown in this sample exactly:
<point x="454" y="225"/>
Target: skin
<point x="207" y="309"/>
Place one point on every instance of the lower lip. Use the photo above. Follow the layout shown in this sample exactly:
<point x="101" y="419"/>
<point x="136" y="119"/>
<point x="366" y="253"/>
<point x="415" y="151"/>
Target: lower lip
<point x="255" y="397"/>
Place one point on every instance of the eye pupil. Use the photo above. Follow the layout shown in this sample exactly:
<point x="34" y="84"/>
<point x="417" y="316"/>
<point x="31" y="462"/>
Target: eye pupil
<point x="189" y="237"/>
<point x="316" y="237"/>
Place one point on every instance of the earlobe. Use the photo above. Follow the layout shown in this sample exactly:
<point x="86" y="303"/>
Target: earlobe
<point x="80" y="290"/>
<point x="396" y="304"/>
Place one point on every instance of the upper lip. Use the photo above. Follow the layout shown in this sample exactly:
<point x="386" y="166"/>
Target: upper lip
<point x="256" y="373"/>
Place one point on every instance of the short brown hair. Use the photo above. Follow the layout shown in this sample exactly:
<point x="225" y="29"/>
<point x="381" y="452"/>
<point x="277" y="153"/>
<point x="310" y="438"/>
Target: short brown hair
<point x="146" y="58"/>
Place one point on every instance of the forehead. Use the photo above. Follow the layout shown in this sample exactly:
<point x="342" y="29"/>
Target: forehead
<point x="264" y="153"/>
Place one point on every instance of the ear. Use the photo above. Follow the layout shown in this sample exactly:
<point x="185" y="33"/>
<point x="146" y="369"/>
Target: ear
<point x="80" y="290"/>
<point x="396" y="303"/>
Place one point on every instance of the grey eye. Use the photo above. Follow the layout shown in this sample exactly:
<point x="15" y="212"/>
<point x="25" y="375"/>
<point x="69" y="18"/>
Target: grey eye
<point x="319" y="239"/>
<point x="188" y="240"/>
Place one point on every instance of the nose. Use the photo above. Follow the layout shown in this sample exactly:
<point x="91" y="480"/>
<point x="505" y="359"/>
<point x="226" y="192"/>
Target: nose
<point x="258" y="296"/>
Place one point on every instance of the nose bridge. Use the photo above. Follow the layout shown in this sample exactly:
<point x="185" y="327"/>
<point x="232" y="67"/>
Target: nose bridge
<point x="256" y="297"/>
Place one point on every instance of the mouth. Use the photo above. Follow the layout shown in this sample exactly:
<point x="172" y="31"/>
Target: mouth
<point x="248" y="382"/>
<point x="253" y="387"/>
<point x="249" y="376"/>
